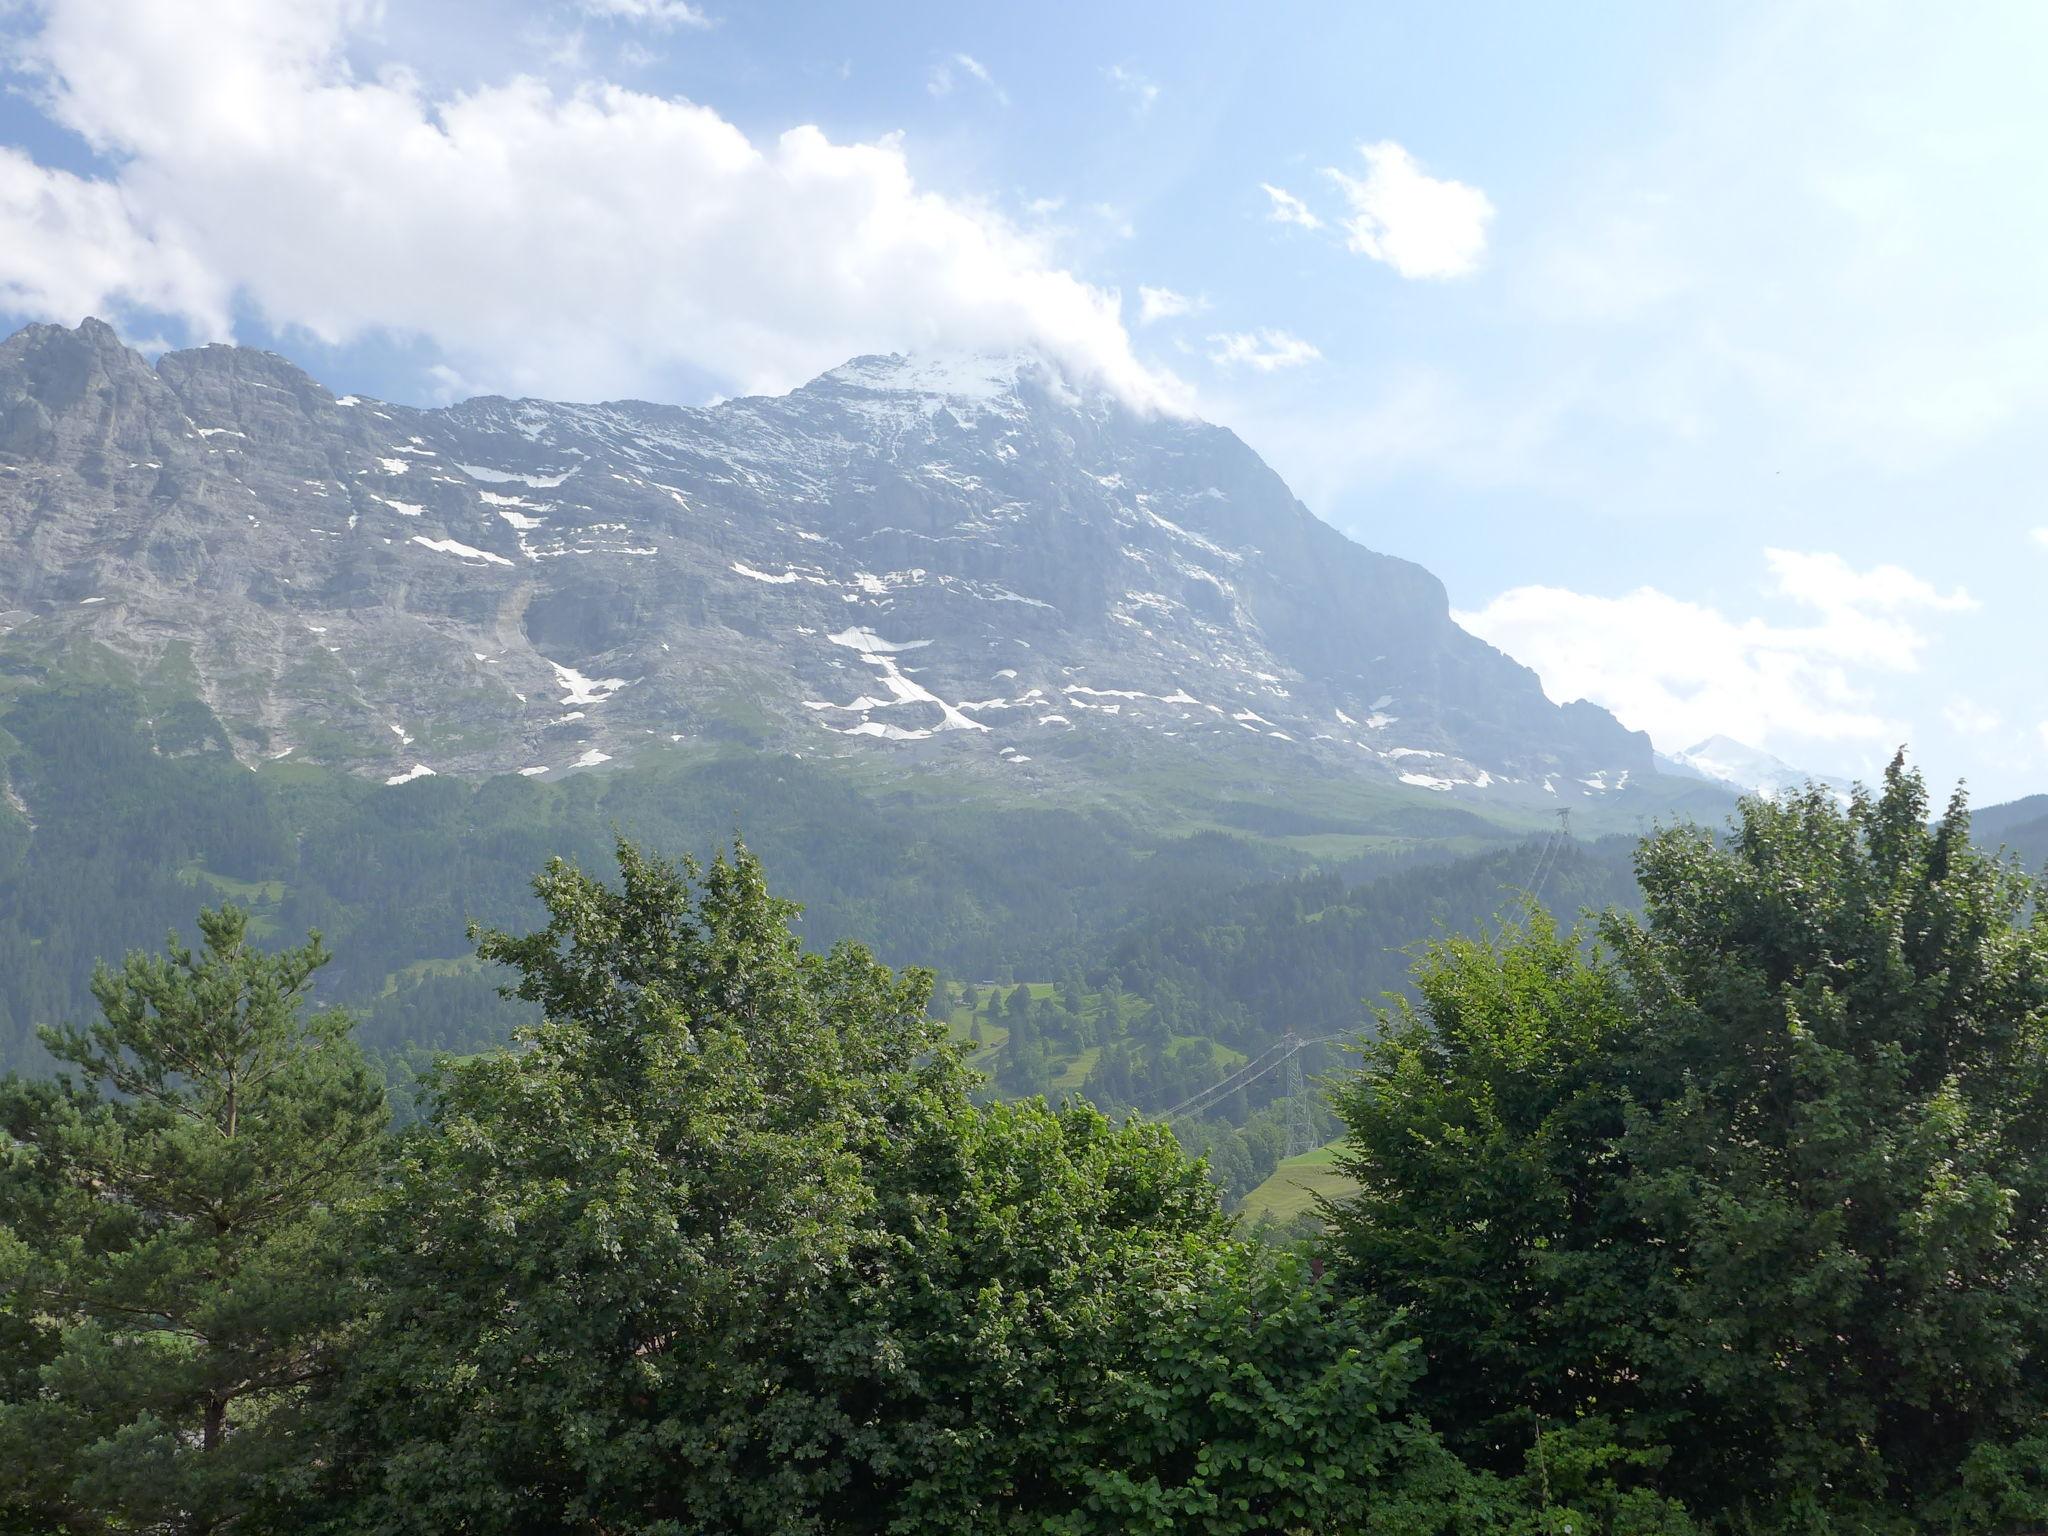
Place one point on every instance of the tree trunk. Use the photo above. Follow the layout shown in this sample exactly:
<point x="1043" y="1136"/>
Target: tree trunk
<point x="216" y="1425"/>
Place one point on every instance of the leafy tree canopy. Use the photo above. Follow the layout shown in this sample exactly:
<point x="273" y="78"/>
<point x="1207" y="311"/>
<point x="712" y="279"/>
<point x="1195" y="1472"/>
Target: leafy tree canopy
<point x="1767" y="1178"/>
<point x="727" y="1244"/>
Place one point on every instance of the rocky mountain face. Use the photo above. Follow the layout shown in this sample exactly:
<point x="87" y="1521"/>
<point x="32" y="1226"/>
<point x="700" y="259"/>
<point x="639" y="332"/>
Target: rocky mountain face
<point x="962" y="556"/>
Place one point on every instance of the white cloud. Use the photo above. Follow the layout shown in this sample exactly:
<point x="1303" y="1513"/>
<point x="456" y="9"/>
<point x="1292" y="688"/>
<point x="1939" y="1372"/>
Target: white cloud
<point x="1166" y="304"/>
<point x="1264" y="350"/>
<point x="1683" y="670"/>
<point x="67" y="244"/>
<point x="1134" y="85"/>
<point x="2041" y="537"/>
<point x="941" y="80"/>
<point x="1416" y="224"/>
<point x="1969" y="718"/>
<point x="659" y="14"/>
<point x="1861" y="610"/>
<point x="594" y="242"/>
<point x="1286" y="208"/>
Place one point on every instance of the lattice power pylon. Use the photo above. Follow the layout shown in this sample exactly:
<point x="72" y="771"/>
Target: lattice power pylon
<point x="1301" y="1125"/>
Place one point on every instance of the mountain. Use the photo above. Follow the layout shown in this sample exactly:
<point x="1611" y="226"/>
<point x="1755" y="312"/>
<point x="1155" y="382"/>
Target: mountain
<point x="2019" y="826"/>
<point x="969" y="560"/>
<point x="1747" y="769"/>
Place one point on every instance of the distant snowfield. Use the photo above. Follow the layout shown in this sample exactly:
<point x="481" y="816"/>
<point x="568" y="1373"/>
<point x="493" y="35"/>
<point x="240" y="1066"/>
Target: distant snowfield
<point x="881" y="654"/>
<point x="460" y="551"/>
<point x="867" y="640"/>
<point x="510" y="476"/>
<point x="586" y="690"/>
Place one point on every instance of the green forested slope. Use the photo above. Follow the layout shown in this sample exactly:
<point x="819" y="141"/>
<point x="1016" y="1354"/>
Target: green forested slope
<point x="1220" y="932"/>
<point x="127" y="841"/>
<point x="138" y="816"/>
<point x="2020" y="827"/>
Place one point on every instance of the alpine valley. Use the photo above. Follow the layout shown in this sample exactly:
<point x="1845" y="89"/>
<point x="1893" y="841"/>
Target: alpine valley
<point x="1074" y="702"/>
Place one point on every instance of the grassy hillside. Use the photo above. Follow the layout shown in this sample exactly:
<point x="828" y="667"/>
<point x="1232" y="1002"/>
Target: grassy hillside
<point x="1290" y="1191"/>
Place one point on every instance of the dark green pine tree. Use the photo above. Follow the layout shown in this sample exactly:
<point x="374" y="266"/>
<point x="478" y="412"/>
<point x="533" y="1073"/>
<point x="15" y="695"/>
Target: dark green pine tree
<point x="173" y="1263"/>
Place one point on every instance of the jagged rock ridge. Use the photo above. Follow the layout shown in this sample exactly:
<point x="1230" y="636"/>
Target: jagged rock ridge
<point x="960" y="556"/>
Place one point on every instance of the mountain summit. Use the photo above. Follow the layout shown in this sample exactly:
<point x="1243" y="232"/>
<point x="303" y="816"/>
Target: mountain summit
<point x="1749" y="770"/>
<point x="961" y="555"/>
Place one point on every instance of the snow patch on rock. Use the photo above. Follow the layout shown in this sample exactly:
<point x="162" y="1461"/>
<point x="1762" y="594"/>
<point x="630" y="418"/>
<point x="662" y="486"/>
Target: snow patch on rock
<point x="460" y="551"/>
<point x="586" y="690"/>
<point x="1428" y="781"/>
<point x="510" y="476"/>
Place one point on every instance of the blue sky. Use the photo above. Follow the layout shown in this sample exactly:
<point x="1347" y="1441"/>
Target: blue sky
<point x="1702" y="351"/>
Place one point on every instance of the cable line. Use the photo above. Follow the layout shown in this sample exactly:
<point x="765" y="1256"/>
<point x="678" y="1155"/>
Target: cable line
<point x="1228" y="1082"/>
<point x="1290" y="1045"/>
<point x="1555" y="846"/>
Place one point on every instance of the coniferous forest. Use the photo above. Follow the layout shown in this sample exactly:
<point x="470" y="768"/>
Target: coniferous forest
<point x="1724" y="1210"/>
<point x="1154" y="966"/>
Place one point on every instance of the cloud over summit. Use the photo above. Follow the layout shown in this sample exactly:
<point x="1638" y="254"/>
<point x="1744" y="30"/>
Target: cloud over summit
<point x="593" y="241"/>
